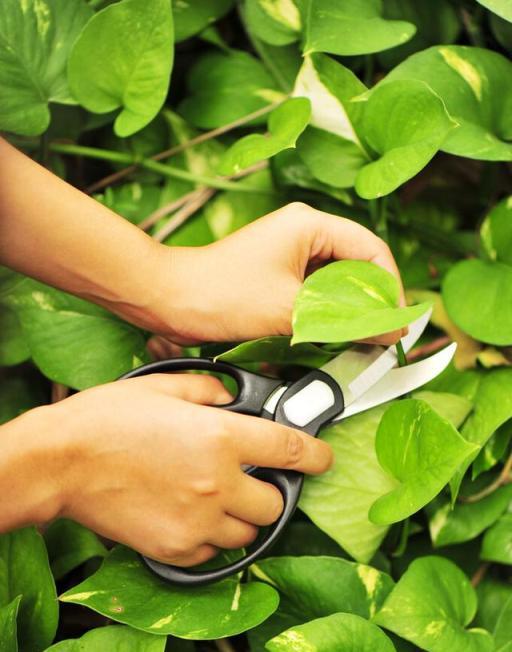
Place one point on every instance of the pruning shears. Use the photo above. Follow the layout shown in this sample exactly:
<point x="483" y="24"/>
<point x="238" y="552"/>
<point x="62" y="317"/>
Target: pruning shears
<point x="360" y="378"/>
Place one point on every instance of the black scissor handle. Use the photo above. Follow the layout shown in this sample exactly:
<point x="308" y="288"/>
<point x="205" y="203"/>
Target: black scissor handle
<point x="253" y="392"/>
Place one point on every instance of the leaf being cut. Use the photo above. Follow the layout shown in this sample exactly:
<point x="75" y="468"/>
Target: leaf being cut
<point x="332" y="634"/>
<point x="497" y="543"/>
<point x="351" y="27"/>
<point x="350" y="300"/>
<point x="8" y="628"/>
<point x="224" y="87"/>
<point x="25" y="572"/>
<point x="478" y="298"/>
<point x="496" y="232"/>
<point x="123" y="59"/>
<point x="114" y="638"/>
<point x="36" y="37"/>
<point x="421" y="450"/>
<point x="285" y="125"/>
<point x="431" y="606"/>
<point x="476" y="86"/>
<point x="124" y="590"/>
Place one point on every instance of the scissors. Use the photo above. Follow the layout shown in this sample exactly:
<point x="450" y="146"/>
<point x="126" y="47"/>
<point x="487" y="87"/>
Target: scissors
<point x="361" y="377"/>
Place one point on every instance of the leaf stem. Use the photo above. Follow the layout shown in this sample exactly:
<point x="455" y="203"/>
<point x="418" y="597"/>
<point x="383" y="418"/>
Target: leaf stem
<point x="400" y="354"/>
<point x="172" y="151"/>
<point x="504" y="478"/>
<point x="149" y="164"/>
<point x="429" y="348"/>
<point x="224" y="645"/>
<point x="479" y="575"/>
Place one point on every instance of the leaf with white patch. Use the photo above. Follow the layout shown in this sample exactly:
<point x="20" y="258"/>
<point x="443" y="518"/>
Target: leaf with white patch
<point x="124" y="590"/>
<point x="431" y="606"/>
<point x="276" y="22"/>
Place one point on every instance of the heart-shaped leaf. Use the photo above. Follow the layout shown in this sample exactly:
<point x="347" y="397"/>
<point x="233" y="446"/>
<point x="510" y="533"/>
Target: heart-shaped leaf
<point x="500" y="7"/>
<point x="25" y="572"/>
<point x="285" y="125"/>
<point x="476" y="87"/>
<point x="497" y="543"/>
<point x="350" y="300"/>
<point x="431" y="605"/>
<point x="465" y="521"/>
<point x="123" y="59"/>
<point x="274" y="22"/>
<point x="496" y="232"/>
<point x="405" y="123"/>
<point x="114" y="638"/>
<point x="32" y="66"/>
<point x="422" y="451"/>
<point x="224" y="87"/>
<point x="192" y="17"/>
<point x="124" y="590"/>
<point x="478" y="298"/>
<point x="73" y="341"/>
<point x="8" y="628"/>
<point x="332" y="634"/>
<point x="350" y="27"/>
<point x="70" y="545"/>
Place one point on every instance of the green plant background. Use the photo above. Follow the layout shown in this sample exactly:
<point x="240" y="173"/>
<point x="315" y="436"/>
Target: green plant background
<point x="395" y="113"/>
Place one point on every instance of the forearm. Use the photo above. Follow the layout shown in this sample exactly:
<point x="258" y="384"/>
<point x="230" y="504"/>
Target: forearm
<point x="31" y="469"/>
<point x="57" y="234"/>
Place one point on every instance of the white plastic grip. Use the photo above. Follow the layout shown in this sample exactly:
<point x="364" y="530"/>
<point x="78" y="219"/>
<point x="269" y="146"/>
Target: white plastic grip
<point x="309" y="403"/>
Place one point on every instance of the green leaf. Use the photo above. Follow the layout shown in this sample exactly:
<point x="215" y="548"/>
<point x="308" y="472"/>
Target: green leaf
<point x="36" y="37"/>
<point x="277" y="350"/>
<point x="350" y="27"/>
<point x="19" y="394"/>
<point x="8" y="628"/>
<point x="315" y="586"/>
<point x="285" y="125"/>
<point x="124" y="590"/>
<point x="104" y="74"/>
<point x="431" y="605"/>
<point x="422" y="451"/>
<point x="333" y="634"/>
<point x="192" y="17"/>
<point x="492" y="595"/>
<point x="113" y="638"/>
<point x="350" y="300"/>
<point x="478" y="298"/>
<point x="494" y="450"/>
<point x="13" y="347"/>
<point x="466" y="520"/>
<point x="338" y="501"/>
<point x="500" y="7"/>
<point x="225" y="87"/>
<point x="405" y="123"/>
<point x="70" y="545"/>
<point x="452" y="407"/>
<point x="497" y="543"/>
<point x="436" y="21"/>
<point x="476" y="87"/>
<point x="330" y="158"/>
<point x="93" y="347"/>
<point x="503" y="629"/>
<point x="492" y="408"/>
<point x="24" y="571"/>
<point x="276" y="22"/>
<point x="496" y="232"/>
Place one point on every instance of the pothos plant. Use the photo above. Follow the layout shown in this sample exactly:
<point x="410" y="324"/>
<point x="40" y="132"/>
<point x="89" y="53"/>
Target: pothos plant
<point x="395" y="113"/>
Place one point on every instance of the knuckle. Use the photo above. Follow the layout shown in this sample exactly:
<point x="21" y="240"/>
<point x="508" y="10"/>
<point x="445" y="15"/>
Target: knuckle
<point x="297" y="209"/>
<point x="294" y="447"/>
<point x="275" y="506"/>
<point x="206" y="485"/>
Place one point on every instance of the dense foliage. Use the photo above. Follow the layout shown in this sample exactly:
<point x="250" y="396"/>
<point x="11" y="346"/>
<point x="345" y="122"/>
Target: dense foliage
<point x="396" y="113"/>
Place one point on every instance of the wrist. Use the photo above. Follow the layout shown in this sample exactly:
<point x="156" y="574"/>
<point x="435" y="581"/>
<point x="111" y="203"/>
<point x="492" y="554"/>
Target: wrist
<point x="32" y="464"/>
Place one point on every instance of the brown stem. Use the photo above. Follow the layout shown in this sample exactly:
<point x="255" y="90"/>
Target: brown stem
<point x="59" y="392"/>
<point x="224" y="645"/>
<point x="184" y="213"/>
<point x="429" y="348"/>
<point x="503" y="479"/>
<point x="172" y="151"/>
<point x="479" y="575"/>
<point x="153" y="218"/>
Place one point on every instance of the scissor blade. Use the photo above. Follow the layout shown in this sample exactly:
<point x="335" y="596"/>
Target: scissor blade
<point x="360" y="367"/>
<point x="402" y="380"/>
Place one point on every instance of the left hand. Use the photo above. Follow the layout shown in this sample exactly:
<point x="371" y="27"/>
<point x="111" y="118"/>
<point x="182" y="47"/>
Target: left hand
<point x="244" y="286"/>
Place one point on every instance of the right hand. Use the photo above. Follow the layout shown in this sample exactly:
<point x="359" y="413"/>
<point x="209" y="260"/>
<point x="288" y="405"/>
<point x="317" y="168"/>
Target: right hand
<point x="149" y="463"/>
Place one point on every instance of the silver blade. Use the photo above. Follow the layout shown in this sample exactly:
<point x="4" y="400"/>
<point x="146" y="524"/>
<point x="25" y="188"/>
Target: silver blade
<point x="402" y="380"/>
<point x="360" y="367"/>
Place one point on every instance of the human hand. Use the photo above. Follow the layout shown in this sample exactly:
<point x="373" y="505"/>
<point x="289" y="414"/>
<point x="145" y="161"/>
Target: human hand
<point x="149" y="463"/>
<point x="244" y="286"/>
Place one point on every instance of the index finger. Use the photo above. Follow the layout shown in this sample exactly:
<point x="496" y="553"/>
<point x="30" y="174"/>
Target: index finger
<point x="261" y="442"/>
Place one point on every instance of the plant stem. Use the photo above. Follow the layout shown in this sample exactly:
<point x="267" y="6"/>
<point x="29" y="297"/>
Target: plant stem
<point x="400" y="354"/>
<point x="504" y="478"/>
<point x="224" y="645"/>
<point x="479" y="574"/>
<point x="172" y="151"/>
<point x="429" y="348"/>
<point x="181" y="216"/>
<point x="148" y="164"/>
